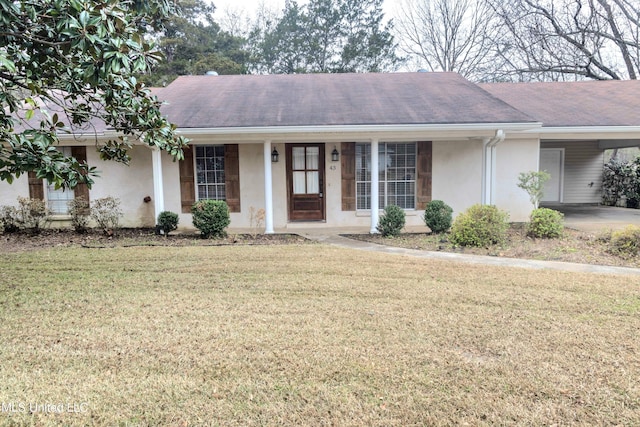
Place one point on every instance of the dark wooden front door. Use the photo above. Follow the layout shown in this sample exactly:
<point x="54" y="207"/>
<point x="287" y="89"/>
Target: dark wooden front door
<point x="305" y="181"/>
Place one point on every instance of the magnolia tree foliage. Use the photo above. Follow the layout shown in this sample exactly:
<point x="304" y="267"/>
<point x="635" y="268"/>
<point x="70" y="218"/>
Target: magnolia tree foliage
<point x="66" y="65"/>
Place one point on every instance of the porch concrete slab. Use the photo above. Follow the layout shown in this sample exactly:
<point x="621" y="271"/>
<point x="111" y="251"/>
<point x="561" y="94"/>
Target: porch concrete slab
<point x="596" y="218"/>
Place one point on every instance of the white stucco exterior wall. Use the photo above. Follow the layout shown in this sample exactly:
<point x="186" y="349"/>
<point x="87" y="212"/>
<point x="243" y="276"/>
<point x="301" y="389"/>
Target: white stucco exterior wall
<point x="515" y="156"/>
<point x="131" y="184"/>
<point x="456" y="179"/>
<point x="457" y="173"/>
<point x="10" y="192"/>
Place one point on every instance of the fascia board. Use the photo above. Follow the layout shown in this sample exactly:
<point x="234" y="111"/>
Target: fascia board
<point x="586" y="132"/>
<point x="356" y="132"/>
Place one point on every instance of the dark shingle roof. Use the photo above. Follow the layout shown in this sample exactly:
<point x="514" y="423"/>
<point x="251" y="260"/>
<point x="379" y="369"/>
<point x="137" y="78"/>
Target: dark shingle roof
<point x="332" y="100"/>
<point x="560" y="104"/>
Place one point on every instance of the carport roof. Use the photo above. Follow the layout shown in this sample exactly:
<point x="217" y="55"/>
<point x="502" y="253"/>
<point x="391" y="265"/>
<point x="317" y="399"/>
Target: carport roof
<point x="241" y="101"/>
<point x="573" y="104"/>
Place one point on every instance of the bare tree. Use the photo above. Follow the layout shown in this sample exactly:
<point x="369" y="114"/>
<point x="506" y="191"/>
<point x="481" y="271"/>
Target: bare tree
<point x="449" y="35"/>
<point x="569" y="39"/>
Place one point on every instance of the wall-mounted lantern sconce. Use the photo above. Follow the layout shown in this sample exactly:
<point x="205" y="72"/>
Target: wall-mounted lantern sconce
<point x="275" y="155"/>
<point x="335" y="155"/>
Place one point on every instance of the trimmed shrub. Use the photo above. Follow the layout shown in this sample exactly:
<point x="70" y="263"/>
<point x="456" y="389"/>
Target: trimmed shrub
<point x="481" y="226"/>
<point x="211" y="217"/>
<point x="168" y="221"/>
<point x="32" y="214"/>
<point x="79" y="211"/>
<point x="392" y="221"/>
<point x="9" y="219"/>
<point x="438" y="216"/>
<point x="625" y="243"/>
<point x="106" y="213"/>
<point x="545" y="223"/>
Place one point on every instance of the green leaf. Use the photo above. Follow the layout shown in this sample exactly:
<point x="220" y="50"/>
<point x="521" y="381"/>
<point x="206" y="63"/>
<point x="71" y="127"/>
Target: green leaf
<point x="83" y="18"/>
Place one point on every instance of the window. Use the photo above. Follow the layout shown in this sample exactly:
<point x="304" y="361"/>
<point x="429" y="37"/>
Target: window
<point x="58" y="199"/>
<point x="305" y="170"/>
<point x="397" y="175"/>
<point x="210" y="178"/>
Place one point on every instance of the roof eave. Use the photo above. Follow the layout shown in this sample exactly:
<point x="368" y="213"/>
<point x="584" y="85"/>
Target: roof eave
<point x="586" y="132"/>
<point x="356" y="132"/>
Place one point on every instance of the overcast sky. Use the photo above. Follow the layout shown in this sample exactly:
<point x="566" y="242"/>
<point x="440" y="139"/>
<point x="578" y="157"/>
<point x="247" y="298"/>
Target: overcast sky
<point x="250" y="6"/>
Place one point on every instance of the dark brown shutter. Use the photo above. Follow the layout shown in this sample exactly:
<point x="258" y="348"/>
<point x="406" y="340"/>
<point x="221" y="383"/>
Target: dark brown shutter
<point x="81" y="190"/>
<point x="187" y="181"/>
<point x="36" y="187"/>
<point x="424" y="170"/>
<point x="232" y="177"/>
<point x="348" y="154"/>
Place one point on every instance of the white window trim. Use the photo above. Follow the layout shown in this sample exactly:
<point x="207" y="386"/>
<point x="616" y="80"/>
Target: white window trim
<point x="195" y="170"/>
<point x="45" y="183"/>
<point x="409" y="211"/>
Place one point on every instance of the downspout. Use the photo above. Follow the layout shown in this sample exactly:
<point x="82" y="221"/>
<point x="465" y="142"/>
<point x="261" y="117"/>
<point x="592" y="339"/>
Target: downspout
<point x="489" y="156"/>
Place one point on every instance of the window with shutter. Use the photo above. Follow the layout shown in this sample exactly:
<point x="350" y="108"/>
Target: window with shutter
<point x="58" y="199"/>
<point x="404" y="175"/>
<point x="210" y="172"/>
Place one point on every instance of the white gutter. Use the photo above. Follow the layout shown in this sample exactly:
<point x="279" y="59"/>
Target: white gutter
<point x="584" y="130"/>
<point x="342" y="129"/>
<point x="489" y="167"/>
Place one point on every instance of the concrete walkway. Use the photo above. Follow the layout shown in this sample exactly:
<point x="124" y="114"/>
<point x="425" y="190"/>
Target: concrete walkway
<point x="595" y="219"/>
<point x="335" y="239"/>
<point x="592" y="219"/>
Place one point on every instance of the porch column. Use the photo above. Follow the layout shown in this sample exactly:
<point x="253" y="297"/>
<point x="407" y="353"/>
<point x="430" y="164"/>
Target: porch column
<point x="268" y="190"/>
<point x="158" y="189"/>
<point x="375" y="186"/>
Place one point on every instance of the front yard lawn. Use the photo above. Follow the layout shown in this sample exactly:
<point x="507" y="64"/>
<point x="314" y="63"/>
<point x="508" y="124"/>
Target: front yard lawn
<point x="310" y="335"/>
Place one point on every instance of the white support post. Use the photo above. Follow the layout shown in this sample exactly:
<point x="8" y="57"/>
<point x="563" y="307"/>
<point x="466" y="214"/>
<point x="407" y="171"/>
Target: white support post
<point x="158" y="188"/>
<point x="375" y="186"/>
<point x="268" y="190"/>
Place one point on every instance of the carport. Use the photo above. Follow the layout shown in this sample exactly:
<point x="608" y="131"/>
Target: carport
<point x="594" y="218"/>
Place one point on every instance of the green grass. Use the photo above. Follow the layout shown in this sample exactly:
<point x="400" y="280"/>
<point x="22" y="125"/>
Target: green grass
<point x="311" y="335"/>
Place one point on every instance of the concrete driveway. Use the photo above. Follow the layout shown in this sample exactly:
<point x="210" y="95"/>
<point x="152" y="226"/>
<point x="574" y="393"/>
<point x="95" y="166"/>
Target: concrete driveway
<point x="598" y="218"/>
